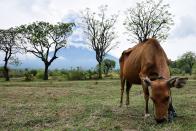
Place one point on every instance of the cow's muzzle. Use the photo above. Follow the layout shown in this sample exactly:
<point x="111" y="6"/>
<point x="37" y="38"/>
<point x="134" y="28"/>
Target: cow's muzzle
<point x="160" y="120"/>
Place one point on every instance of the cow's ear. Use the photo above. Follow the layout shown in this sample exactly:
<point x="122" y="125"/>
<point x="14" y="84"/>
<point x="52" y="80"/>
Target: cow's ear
<point x="177" y="82"/>
<point x="147" y="81"/>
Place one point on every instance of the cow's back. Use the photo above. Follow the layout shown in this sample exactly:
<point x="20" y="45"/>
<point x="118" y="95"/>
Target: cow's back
<point x="149" y="54"/>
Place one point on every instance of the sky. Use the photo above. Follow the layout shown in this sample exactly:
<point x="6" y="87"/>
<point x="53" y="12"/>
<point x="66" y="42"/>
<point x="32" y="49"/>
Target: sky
<point x="182" y="37"/>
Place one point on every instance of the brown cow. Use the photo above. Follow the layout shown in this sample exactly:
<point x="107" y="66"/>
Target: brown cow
<point x="147" y="64"/>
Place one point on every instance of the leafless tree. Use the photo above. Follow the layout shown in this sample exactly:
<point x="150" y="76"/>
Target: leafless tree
<point x="9" y="46"/>
<point x="99" y="30"/>
<point x="149" y="19"/>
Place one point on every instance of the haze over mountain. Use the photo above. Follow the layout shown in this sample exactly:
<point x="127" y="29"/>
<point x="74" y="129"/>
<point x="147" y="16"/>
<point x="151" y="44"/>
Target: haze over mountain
<point x="70" y="57"/>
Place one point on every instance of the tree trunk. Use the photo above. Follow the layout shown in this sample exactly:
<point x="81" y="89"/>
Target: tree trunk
<point x="6" y="72"/>
<point x="190" y="73"/>
<point x="100" y="71"/>
<point x="46" y="72"/>
<point x="191" y="69"/>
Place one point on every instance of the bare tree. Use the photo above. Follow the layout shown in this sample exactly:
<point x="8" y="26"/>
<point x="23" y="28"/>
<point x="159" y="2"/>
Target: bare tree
<point x="99" y="30"/>
<point x="9" y="46"/>
<point x="44" y="40"/>
<point x="149" y="19"/>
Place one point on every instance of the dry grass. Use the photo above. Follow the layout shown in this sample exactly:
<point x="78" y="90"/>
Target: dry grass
<point x="86" y="105"/>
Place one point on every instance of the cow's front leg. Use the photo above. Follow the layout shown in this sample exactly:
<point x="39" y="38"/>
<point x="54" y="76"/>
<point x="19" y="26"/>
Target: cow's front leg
<point x="145" y="83"/>
<point x="171" y="111"/>
<point x="171" y="108"/>
<point x="146" y="97"/>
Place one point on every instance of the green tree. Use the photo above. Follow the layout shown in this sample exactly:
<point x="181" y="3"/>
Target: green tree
<point x="149" y="19"/>
<point x="9" y="46"/>
<point x="108" y="65"/>
<point x="99" y="29"/>
<point x="44" y="40"/>
<point x="187" y="61"/>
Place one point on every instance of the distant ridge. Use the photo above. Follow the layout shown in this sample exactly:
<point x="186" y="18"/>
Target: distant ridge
<point x="70" y="57"/>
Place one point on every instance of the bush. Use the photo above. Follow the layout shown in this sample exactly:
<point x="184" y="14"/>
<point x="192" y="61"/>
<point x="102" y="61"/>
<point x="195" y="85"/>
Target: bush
<point x="40" y="74"/>
<point x="1" y="72"/>
<point x="17" y="73"/>
<point x="55" y="73"/>
<point x="90" y="74"/>
<point x="76" y="75"/>
<point x="28" y="76"/>
<point x="79" y="74"/>
<point x="59" y="75"/>
<point x="175" y="71"/>
<point x="33" y="72"/>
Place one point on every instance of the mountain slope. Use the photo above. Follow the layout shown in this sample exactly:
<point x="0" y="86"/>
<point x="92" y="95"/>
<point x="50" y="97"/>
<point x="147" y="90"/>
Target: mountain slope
<point x="70" y="57"/>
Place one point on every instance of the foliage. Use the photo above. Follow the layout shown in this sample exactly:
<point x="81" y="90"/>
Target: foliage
<point x="99" y="30"/>
<point x="79" y="74"/>
<point x="108" y="65"/>
<point x="175" y="71"/>
<point x="149" y="19"/>
<point x="33" y="72"/>
<point x="76" y="75"/>
<point x="58" y="75"/>
<point x="40" y="38"/>
<point x="9" y="46"/>
<point x="186" y="62"/>
<point x="1" y="71"/>
<point x="40" y="74"/>
<point x="15" y="61"/>
<point x="28" y="75"/>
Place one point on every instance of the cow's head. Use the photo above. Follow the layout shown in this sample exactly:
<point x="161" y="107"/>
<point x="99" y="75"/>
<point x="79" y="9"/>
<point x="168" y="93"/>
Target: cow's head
<point x="160" y="95"/>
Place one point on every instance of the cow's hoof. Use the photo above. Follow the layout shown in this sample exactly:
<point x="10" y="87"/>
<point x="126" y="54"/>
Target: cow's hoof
<point x="170" y="116"/>
<point x="147" y="115"/>
<point x="174" y="114"/>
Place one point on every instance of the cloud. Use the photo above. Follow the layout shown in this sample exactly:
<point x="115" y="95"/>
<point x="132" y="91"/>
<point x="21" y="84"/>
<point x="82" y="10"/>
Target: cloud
<point x="185" y="28"/>
<point x="17" y="12"/>
<point x="175" y="47"/>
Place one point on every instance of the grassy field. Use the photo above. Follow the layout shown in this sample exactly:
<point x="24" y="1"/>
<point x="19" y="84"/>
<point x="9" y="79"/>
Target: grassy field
<point x="86" y="105"/>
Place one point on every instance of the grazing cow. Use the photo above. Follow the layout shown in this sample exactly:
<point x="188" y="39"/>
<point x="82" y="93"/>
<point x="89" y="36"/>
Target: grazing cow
<point x="147" y="64"/>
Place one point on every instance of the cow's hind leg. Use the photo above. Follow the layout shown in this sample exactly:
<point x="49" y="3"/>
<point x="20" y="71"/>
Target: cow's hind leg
<point x="128" y="87"/>
<point x="122" y="91"/>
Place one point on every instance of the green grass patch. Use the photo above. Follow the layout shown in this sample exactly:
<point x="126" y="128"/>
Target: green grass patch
<point x="86" y="105"/>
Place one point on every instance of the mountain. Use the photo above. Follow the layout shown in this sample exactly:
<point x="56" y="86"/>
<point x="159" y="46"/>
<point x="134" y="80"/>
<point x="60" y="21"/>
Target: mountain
<point x="70" y="57"/>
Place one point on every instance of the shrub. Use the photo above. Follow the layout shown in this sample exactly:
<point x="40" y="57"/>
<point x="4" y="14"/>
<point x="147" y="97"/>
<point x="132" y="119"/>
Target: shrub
<point x="28" y="76"/>
<point x="76" y="75"/>
<point x="55" y="73"/>
<point x="17" y="73"/>
<point x="33" y="72"/>
<point x="40" y="74"/>
<point x="90" y="74"/>
<point x="1" y="72"/>
<point x="175" y="71"/>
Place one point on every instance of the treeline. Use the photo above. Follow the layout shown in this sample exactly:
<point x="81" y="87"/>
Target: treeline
<point x="186" y="64"/>
<point x="59" y="74"/>
<point x="148" y="19"/>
